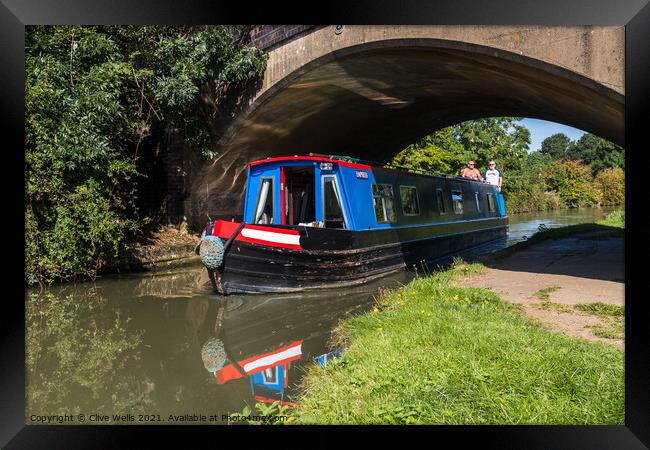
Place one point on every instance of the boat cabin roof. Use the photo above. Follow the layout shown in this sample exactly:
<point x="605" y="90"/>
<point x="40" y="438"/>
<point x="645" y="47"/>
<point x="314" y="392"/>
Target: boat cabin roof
<point x="365" y="165"/>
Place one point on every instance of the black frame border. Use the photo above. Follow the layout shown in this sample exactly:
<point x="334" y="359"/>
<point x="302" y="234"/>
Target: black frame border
<point x="634" y="14"/>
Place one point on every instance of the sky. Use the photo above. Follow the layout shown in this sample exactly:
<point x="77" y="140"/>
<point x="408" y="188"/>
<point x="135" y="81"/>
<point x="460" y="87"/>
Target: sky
<point x="541" y="129"/>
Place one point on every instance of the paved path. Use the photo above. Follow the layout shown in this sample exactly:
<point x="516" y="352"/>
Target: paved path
<point x="586" y="268"/>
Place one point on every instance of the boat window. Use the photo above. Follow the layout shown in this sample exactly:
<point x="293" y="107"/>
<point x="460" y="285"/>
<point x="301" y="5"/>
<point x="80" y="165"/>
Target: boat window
<point x="441" y="201"/>
<point x="491" y="203"/>
<point x="332" y="209"/>
<point x="457" y="200"/>
<point x="409" y="196"/>
<point x="384" y="203"/>
<point x="270" y="375"/>
<point x="478" y="203"/>
<point x="264" y="208"/>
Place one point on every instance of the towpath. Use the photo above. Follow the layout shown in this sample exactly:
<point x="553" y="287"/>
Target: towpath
<point x="552" y="280"/>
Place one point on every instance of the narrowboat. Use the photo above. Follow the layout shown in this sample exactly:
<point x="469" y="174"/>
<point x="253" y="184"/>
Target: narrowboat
<point x="326" y="221"/>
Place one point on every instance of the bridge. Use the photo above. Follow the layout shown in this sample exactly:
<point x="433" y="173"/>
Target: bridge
<point x="369" y="91"/>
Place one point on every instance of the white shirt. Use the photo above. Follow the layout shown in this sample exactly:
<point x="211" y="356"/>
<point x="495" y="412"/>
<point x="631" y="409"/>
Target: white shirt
<point x="492" y="176"/>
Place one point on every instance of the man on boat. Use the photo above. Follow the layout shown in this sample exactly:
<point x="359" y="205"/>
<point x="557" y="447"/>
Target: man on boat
<point x="493" y="176"/>
<point x="471" y="171"/>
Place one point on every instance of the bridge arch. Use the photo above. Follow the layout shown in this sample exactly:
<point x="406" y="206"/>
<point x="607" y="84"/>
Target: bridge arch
<point x="372" y="99"/>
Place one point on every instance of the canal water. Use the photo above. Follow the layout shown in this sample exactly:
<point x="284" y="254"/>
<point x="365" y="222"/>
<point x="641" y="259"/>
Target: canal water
<point x="160" y="347"/>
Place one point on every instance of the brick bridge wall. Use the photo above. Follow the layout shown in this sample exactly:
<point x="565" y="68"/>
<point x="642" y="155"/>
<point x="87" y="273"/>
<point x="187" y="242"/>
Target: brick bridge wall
<point x="268" y="36"/>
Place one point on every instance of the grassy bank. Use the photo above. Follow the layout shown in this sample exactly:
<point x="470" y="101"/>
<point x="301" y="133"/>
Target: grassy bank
<point x="435" y="353"/>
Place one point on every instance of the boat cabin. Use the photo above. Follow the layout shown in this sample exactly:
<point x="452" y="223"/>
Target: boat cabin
<point x="332" y="193"/>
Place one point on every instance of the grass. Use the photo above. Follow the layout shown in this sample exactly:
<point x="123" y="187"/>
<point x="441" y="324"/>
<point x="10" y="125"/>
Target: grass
<point x="609" y="329"/>
<point x="611" y="326"/>
<point x="436" y="353"/>
<point x="614" y="219"/>
<point x="544" y="296"/>
<point x="602" y="309"/>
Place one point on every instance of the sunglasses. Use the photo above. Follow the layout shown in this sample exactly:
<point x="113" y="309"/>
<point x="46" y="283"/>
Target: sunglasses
<point x="470" y="164"/>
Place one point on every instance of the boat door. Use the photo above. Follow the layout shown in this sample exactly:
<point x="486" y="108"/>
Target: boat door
<point x="298" y="195"/>
<point x="333" y="212"/>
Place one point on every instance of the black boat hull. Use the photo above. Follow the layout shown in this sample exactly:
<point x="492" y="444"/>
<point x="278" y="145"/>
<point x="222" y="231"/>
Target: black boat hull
<point x="335" y="258"/>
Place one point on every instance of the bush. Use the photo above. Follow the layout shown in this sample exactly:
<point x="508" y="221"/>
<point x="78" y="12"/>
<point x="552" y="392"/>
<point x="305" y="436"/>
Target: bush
<point x="611" y="183"/>
<point x="93" y="94"/>
<point x="573" y="182"/>
<point x="551" y="200"/>
<point x="528" y="191"/>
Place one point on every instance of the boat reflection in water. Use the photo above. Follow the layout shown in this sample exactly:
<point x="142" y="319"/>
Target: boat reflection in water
<point x="268" y="338"/>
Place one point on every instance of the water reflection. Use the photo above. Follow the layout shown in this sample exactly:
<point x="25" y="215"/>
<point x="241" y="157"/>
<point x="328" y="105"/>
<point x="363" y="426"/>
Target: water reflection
<point x="162" y="344"/>
<point x="524" y="225"/>
<point x="165" y="355"/>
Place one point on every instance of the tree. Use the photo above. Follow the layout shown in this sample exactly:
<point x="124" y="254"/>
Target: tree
<point x="437" y="152"/>
<point x="92" y="95"/>
<point x="599" y="153"/>
<point x="447" y="150"/>
<point x="497" y="138"/>
<point x="611" y="182"/>
<point x="573" y="181"/>
<point x="556" y="146"/>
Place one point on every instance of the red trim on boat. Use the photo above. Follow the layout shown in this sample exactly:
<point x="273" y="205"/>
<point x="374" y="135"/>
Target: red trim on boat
<point x="224" y="229"/>
<point x="229" y="372"/>
<point x="259" y="234"/>
<point x="272" y="229"/>
<point x="311" y="158"/>
<point x="346" y="164"/>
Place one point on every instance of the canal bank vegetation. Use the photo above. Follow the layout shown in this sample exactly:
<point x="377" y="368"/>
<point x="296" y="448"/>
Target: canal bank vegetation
<point x="95" y="97"/>
<point x="561" y="174"/>
<point x="435" y="353"/>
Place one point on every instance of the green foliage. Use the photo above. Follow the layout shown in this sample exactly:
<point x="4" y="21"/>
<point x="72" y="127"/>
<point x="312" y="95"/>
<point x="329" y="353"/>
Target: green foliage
<point x="77" y="358"/>
<point x="556" y="146"/>
<point x="598" y="153"/>
<point x="92" y="95"/>
<point x="611" y="183"/>
<point x="527" y="190"/>
<point x="498" y="138"/>
<point x="430" y="153"/>
<point x="273" y="413"/>
<point x="449" y="149"/>
<point x="573" y="181"/>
